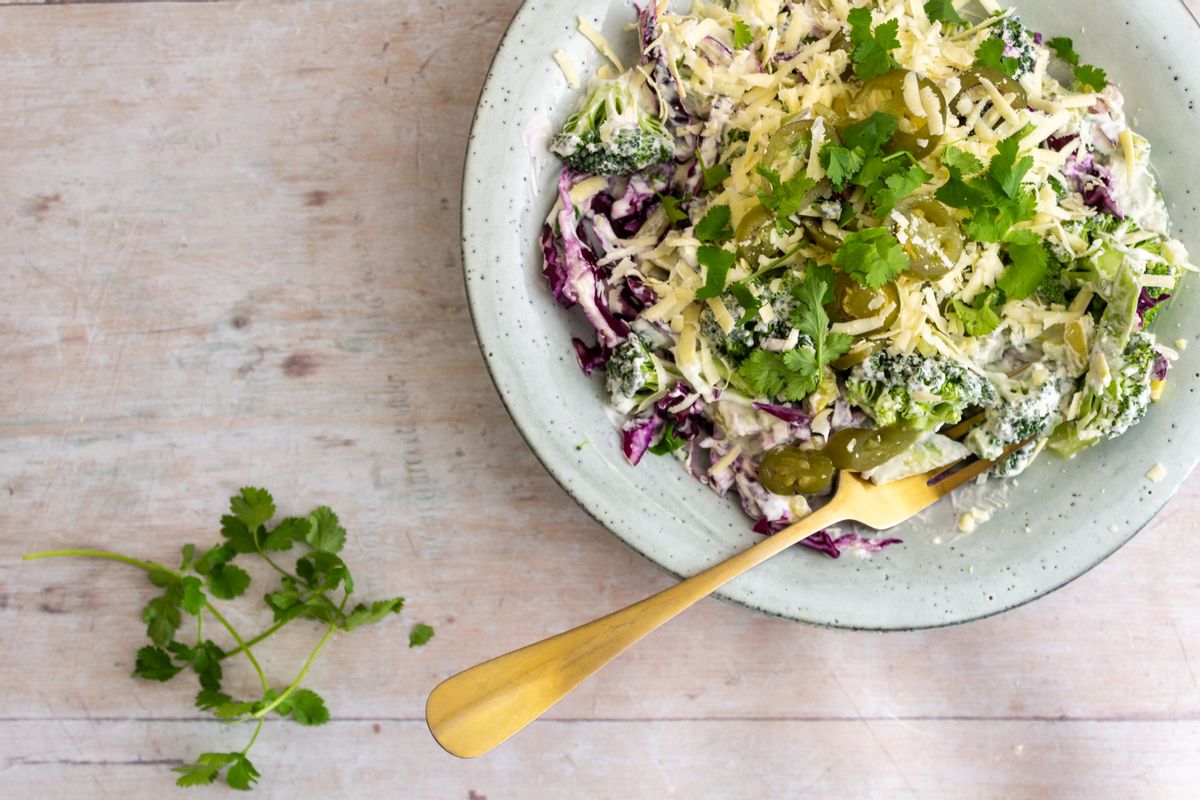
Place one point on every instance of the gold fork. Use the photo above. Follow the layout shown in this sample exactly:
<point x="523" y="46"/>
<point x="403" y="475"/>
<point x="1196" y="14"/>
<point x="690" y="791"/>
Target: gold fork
<point x="480" y="708"/>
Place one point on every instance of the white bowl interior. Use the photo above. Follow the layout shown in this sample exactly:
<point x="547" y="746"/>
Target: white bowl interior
<point x="1050" y="526"/>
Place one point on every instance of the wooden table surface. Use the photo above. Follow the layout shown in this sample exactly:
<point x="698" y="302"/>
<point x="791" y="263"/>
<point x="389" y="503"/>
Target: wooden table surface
<point x="229" y="256"/>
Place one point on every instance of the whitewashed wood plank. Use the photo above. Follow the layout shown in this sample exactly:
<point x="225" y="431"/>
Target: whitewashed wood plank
<point x="721" y="760"/>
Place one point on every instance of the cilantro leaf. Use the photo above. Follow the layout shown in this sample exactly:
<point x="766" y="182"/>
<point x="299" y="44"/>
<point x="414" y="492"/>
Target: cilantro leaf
<point x="668" y="443"/>
<point x="253" y="507"/>
<point x="990" y="55"/>
<point x="670" y="205"/>
<point x="743" y="37"/>
<point x="811" y="319"/>
<point x="786" y="197"/>
<point x="326" y="534"/>
<point x="234" y="709"/>
<point x="192" y="598"/>
<point x="943" y="11"/>
<point x="1030" y="266"/>
<point x="197" y="774"/>
<point x="237" y="535"/>
<point x="716" y="263"/>
<point x="841" y="164"/>
<point x="241" y="775"/>
<point x="189" y="553"/>
<point x="287" y="532"/>
<point x="227" y="581"/>
<point x="207" y="665"/>
<point x="871" y="134"/>
<point x="1064" y="48"/>
<point x="980" y="318"/>
<point x="214" y="557"/>
<point x="713" y="176"/>
<point x="896" y="187"/>
<point x="747" y="300"/>
<point x="207" y="700"/>
<point x="1006" y="170"/>
<point x="872" y="56"/>
<point x="714" y="227"/>
<point x="377" y="611"/>
<point x="960" y="163"/>
<point x="765" y="374"/>
<point x="306" y="707"/>
<point x="420" y="635"/>
<point x="872" y="257"/>
<point x="155" y="664"/>
<point x="1090" y="77"/>
<point x="162" y="616"/>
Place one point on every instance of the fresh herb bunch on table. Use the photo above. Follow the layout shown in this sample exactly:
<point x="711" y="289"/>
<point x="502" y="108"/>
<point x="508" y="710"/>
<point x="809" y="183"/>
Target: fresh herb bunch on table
<point x="318" y="588"/>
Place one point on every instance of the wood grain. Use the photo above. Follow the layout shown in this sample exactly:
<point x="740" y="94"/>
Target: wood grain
<point x="230" y="256"/>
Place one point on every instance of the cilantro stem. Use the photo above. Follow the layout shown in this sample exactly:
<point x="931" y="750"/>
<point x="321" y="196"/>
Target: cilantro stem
<point x="257" y="639"/>
<point x="774" y="265"/>
<point x="304" y="669"/>
<point x="149" y="566"/>
<point x="262" y="676"/>
<point x="253" y="737"/>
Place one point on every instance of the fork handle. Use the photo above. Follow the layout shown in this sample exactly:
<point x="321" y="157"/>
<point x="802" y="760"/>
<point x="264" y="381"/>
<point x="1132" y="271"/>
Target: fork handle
<point x="480" y="708"/>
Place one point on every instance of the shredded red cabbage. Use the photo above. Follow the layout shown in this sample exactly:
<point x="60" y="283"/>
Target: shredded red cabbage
<point x="790" y="415"/>
<point x="590" y="358"/>
<point x="636" y="437"/>
<point x="823" y="542"/>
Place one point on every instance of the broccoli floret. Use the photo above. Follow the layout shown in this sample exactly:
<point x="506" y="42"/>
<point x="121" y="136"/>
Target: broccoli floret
<point x="1016" y="463"/>
<point x="632" y="374"/>
<point x="920" y="392"/>
<point x="1031" y="412"/>
<point x="1115" y="397"/>
<point x="613" y="133"/>
<point x="748" y="336"/>
<point x="1019" y="43"/>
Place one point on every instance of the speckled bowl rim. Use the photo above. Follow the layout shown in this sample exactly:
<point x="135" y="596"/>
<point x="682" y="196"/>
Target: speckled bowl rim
<point x="490" y="365"/>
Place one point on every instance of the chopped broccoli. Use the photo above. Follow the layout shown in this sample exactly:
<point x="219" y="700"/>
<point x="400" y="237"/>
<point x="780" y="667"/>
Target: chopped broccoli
<point x="1115" y="397"/>
<point x="748" y="336"/>
<point x="1018" y="462"/>
<point x="914" y="390"/>
<point x="632" y="375"/>
<point x="1032" y="411"/>
<point x="1019" y="43"/>
<point x="613" y="133"/>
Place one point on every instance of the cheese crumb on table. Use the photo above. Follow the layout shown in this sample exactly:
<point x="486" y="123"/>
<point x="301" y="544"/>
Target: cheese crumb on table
<point x="1157" y="473"/>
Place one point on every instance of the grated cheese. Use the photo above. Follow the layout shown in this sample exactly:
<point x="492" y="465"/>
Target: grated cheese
<point x="568" y="69"/>
<point x="596" y="38"/>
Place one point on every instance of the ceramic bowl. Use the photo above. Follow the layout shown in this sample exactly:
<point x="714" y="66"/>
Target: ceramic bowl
<point x="1049" y="527"/>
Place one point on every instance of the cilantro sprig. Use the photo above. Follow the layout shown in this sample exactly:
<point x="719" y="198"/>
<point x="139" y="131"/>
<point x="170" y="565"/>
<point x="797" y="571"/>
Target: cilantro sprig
<point x="872" y="55"/>
<point x="873" y="257"/>
<point x="712" y="177"/>
<point x="796" y="374"/>
<point x="991" y="55"/>
<point x="1088" y="76"/>
<point x="860" y="161"/>
<point x="318" y="588"/>
<point x="997" y="198"/>
<point x="786" y="197"/>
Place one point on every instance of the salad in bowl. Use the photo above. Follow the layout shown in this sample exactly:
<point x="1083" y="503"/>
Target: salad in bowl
<point x="812" y="236"/>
